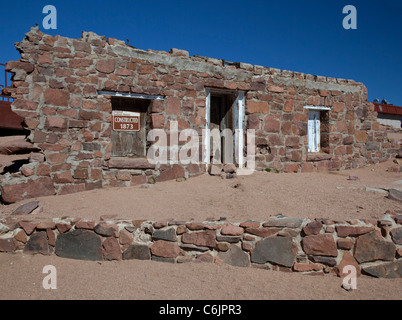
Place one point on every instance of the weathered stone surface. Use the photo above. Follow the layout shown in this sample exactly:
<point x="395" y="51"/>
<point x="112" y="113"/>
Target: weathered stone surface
<point x="229" y="168"/>
<point x="125" y="237"/>
<point x="33" y="188"/>
<point x="46" y="224"/>
<point x="396" y="235"/>
<point x="205" y="257"/>
<point x="51" y="237"/>
<point x="168" y="235"/>
<point x="235" y="257"/>
<point x="56" y="97"/>
<point x="256" y="107"/>
<point x="85" y="224"/>
<point x="395" y="194"/>
<point x="26" y="208"/>
<point x="231" y="230"/>
<point x="372" y="247"/>
<point x="284" y="222"/>
<point x="347" y="260"/>
<point x="79" y="244"/>
<point x="7" y="245"/>
<point x="20" y="236"/>
<point x="230" y="239"/>
<point x="111" y="249"/>
<point x="63" y="227"/>
<point x="263" y="232"/>
<point x="305" y="267"/>
<point x="345" y="244"/>
<point x="28" y="227"/>
<point x="313" y="227"/>
<point x="161" y="223"/>
<point x="222" y="246"/>
<point x="321" y="244"/>
<point x="137" y="251"/>
<point x="165" y="249"/>
<point x="37" y="243"/>
<point x="201" y="238"/>
<point x="17" y="146"/>
<point x="107" y="229"/>
<point x="215" y="169"/>
<point x="278" y="250"/>
<point x="347" y="231"/>
<point x="196" y="226"/>
<point x="3" y="228"/>
<point x="130" y="163"/>
<point x="250" y="224"/>
<point x="193" y="247"/>
<point x="324" y="260"/>
<point x="106" y="66"/>
<point x="389" y="270"/>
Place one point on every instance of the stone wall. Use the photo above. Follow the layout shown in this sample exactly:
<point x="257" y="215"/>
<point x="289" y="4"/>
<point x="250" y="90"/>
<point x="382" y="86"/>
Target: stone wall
<point x="56" y="86"/>
<point x="318" y="246"/>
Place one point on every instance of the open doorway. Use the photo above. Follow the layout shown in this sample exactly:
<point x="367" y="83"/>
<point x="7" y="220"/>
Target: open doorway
<point x="224" y="139"/>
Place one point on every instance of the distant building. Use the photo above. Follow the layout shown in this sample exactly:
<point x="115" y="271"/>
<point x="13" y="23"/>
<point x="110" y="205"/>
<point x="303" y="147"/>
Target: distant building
<point x="389" y="114"/>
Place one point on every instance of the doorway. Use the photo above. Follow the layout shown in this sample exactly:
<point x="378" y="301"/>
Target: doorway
<point x="224" y="138"/>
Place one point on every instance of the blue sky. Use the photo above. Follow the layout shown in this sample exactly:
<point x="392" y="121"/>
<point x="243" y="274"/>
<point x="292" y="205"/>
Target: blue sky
<point x="304" y="36"/>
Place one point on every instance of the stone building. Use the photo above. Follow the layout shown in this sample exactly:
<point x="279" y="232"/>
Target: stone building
<point x="69" y="90"/>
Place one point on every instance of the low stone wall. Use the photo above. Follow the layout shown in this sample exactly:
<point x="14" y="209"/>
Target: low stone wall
<point x="317" y="246"/>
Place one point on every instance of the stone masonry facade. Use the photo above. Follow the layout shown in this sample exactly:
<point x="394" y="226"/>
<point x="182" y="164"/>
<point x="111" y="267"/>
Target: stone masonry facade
<point x="318" y="246"/>
<point x="56" y="89"/>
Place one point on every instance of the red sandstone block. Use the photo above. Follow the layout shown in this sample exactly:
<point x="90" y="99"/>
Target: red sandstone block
<point x="55" y="123"/>
<point x="173" y="106"/>
<point x="106" y="66"/>
<point x="256" y="107"/>
<point x="307" y="167"/>
<point x="56" y="158"/>
<point x="271" y="124"/>
<point x="158" y="121"/>
<point x="304" y="267"/>
<point x="294" y="167"/>
<point x="19" y="65"/>
<point x="67" y="189"/>
<point x="78" y="63"/>
<point x="275" y="89"/>
<point x="33" y="188"/>
<point x="145" y="69"/>
<point x="56" y="97"/>
<point x="25" y="105"/>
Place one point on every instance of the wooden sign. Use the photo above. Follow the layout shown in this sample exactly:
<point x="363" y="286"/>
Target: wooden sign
<point x="126" y="121"/>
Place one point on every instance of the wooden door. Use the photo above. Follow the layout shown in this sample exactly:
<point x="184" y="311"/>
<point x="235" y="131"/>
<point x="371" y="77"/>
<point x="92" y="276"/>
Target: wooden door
<point x="131" y="143"/>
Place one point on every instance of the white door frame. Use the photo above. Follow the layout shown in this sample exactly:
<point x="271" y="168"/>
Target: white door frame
<point x="313" y="127"/>
<point x="238" y="125"/>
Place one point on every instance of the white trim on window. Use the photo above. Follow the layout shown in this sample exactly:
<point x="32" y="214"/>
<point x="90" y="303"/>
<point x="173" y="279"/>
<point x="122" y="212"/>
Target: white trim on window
<point x="319" y="108"/>
<point x="130" y="95"/>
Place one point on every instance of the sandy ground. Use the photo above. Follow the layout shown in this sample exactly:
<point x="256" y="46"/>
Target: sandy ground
<point x="21" y="277"/>
<point x="327" y="195"/>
